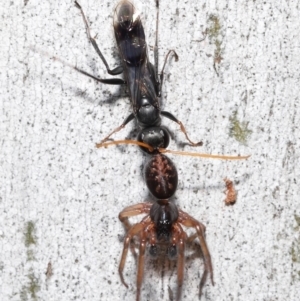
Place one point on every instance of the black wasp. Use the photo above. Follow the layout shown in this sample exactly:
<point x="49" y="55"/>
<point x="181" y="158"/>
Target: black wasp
<point x="141" y="77"/>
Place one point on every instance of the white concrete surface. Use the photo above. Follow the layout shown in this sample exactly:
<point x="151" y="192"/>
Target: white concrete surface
<point x="56" y="185"/>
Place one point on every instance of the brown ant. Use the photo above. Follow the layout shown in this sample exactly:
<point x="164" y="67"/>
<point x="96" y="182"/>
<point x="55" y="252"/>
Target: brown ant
<point x="164" y="221"/>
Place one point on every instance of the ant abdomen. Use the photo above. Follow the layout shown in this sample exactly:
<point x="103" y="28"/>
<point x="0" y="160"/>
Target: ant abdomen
<point x="161" y="176"/>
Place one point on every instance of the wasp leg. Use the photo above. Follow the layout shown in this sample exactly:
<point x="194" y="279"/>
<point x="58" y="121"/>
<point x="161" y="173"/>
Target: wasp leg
<point x="119" y="128"/>
<point x="115" y="71"/>
<point x="162" y="71"/>
<point x="182" y="128"/>
<point x="108" y="81"/>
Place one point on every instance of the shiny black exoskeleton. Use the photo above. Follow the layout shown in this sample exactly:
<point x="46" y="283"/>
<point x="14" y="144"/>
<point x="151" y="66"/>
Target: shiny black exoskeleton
<point x="139" y="73"/>
<point x="141" y="77"/>
<point x="157" y="137"/>
<point x="164" y="214"/>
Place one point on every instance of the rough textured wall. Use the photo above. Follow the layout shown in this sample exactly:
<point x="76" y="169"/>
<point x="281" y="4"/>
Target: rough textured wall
<point x="237" y="91"/>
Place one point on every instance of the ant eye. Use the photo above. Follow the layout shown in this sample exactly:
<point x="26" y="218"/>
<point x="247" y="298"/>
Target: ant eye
<point x="153" y="251"/>
<point x="172" y="252"/>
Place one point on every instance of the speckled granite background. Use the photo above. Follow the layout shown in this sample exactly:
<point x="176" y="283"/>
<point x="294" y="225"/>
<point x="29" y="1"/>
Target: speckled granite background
<point x="237" y="91"/>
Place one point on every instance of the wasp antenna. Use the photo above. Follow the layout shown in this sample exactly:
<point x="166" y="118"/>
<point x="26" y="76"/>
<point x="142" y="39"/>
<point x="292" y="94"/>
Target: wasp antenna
<point x="132" y="142"/>
<point x="53" y="57"/>
<point x="224" y="157"/>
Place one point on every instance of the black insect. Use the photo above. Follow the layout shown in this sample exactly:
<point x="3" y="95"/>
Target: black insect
<point x="140" y="76"/>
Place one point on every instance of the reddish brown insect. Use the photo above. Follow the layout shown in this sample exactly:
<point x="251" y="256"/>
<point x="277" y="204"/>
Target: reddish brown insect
<point x="162" y="225"/>
<point x="230" y="191"/>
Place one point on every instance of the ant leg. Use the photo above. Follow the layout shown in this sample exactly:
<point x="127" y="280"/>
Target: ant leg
<point x="178" y="239"/>
<point x="180" y="267"/>
<point x="182" y="128"/>
<point x="135" y="229"/>
<point x="204" y="276"/>
<point x="140" y="268"/>
<point x="140" y="273"/>
<point x="133" y="211"/>
<point x="115" y="71"/>
<point x="188" y="221"/>
<point x="119" y="128"/>
<point x="162" y="71"/>
<point x="191" y="238"/>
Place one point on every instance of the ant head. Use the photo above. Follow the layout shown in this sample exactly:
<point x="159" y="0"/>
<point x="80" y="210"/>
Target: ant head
<point x="157" y="137"/>
<point x="164" y="214"/>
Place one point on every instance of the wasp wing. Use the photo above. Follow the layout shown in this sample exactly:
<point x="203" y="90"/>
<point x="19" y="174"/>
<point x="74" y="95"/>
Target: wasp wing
<point x="139" y="72"/>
